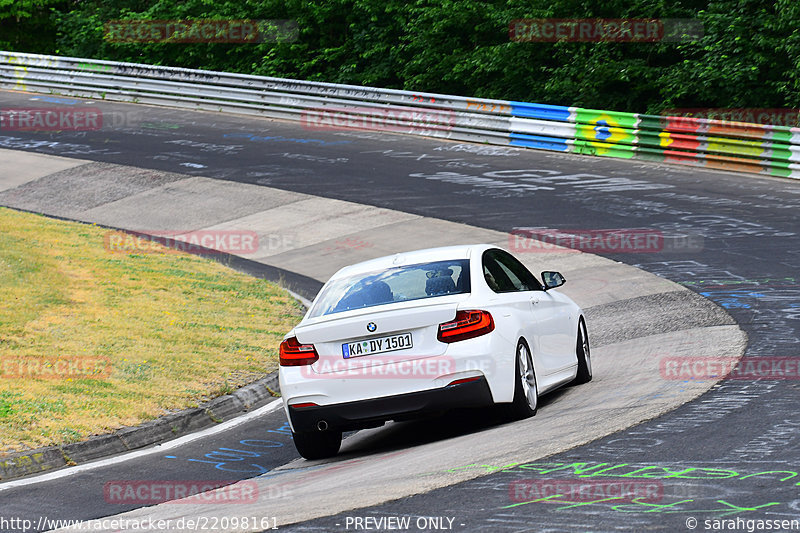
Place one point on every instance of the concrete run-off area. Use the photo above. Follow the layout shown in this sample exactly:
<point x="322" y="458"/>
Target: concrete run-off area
<point x="635" y="320"/>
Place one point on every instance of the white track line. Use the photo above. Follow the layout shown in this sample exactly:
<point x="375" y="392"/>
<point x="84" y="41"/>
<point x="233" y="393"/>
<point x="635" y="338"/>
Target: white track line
<point x="266" y="409"/>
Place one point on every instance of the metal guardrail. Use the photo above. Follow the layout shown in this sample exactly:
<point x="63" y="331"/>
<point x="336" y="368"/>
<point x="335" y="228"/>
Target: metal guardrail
<point x="764" y="149"/>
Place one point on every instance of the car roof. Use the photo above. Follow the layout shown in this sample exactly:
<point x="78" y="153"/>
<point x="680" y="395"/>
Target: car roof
<point x="444" y="253"/>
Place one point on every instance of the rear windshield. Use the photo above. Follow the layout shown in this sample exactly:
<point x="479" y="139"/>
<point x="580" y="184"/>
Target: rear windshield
<point x="397" y="284"/>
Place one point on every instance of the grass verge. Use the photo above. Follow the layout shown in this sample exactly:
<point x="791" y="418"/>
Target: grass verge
<point x="92" y="340"/>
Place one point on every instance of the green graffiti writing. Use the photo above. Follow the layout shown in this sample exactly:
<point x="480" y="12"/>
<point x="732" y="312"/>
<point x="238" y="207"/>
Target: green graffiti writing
<point x="793" y="474"/>
<point x="638" y="506"/>
<point x="624" y="470"/>
<point x="92" y="66"/>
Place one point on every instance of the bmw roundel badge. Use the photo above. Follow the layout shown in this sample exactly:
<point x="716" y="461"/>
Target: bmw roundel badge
<point x="372" y="327"/>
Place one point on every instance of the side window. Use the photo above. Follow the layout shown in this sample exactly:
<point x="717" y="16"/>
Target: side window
<point x="504" y="273"/>
<point x="495" y="275"/>
<point x="527" y="281"/>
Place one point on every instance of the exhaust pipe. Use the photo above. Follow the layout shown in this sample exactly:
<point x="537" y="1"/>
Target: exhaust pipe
<point x="322" y="425"/>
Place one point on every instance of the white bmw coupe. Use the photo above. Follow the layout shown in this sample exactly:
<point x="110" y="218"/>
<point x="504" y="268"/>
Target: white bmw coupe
<point x="417" y="333"/>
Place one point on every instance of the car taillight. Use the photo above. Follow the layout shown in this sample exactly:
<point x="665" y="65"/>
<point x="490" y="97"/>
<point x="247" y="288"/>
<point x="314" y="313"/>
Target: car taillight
<point x="292" y="353"/>
<point x="305" y="405"/>
<point x="467" y="325"/>
<point x="464" y="380"/>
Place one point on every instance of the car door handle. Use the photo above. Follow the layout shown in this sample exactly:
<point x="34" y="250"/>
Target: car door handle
<point x="534" y="300"/>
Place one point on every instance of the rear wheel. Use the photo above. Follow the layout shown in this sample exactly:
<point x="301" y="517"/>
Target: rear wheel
<point x="584" y="357"/>
<point x="526" y="392"/>
<point x="317" y="444"/>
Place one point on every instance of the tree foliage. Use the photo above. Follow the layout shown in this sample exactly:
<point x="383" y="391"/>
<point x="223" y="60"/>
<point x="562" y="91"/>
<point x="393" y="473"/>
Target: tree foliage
<point x="29" y="24"/>
<point x="749" y="55"/>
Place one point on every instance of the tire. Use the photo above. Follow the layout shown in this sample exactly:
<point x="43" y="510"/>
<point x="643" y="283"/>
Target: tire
<point x="584" y="356"/>
<point x="526" y="391"/>
<point x="317" y="444"/>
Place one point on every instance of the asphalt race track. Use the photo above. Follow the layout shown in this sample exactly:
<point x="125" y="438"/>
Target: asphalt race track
<point x="733" y="453"/>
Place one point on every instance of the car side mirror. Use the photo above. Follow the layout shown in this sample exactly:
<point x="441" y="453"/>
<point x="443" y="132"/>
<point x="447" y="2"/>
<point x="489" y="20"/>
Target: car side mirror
<point x="552" y="280"/>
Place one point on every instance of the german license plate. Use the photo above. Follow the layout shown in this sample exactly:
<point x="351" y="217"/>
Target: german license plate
<point x="389" y="343"/>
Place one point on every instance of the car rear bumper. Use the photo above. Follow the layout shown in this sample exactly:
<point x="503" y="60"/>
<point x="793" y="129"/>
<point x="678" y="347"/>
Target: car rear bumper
<point x="374" y="412"/>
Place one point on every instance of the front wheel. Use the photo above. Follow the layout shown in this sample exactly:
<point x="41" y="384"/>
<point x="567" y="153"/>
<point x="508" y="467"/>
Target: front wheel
<point x="584" y="357"/>
<point x="526" y="393"/>
<point x="317" y="444"/>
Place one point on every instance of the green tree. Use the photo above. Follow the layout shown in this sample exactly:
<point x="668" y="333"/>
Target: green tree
<point x="749" y="55"/>
<point x="29" y="25"/>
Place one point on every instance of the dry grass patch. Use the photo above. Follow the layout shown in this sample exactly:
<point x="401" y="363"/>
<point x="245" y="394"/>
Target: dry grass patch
<point x="170" y="330"/>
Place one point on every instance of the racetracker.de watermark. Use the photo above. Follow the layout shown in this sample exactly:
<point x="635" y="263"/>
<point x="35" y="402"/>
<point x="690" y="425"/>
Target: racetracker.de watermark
<point x="746" y="368"/>
<point x="151" y="492"/>
<point x="621" y="30"/>
<point x="241" y="31"/>
<point x="51" y="119"/>
<point x="200" y="242"/>
<point x="67" y="118"/>
<point x="395" y="367"/>
<point x="619" y="240"/>
<point x="583" y="490"/>
<point x="392" y="119"/>
<point x="55" y="367"/>
<point x="765" y="116"/>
